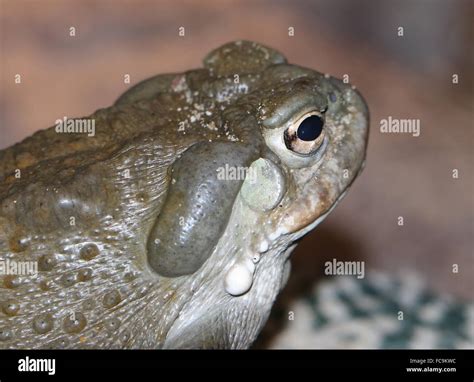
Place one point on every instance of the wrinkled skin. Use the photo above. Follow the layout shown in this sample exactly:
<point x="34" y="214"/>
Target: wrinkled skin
<point x="136" y="237"/>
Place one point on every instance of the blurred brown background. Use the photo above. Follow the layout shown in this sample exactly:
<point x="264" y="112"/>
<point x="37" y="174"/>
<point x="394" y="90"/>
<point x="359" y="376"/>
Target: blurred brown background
<point x="402" y="77"/>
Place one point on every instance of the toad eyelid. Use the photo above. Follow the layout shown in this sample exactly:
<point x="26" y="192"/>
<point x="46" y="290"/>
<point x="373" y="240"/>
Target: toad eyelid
<point x="317" y="153"/>
<point x="307" y="113"/>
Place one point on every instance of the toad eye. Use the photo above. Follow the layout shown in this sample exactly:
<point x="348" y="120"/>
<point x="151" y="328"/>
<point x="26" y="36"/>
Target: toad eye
<point x="311" y="128"/>
<point x="306" y="134"/>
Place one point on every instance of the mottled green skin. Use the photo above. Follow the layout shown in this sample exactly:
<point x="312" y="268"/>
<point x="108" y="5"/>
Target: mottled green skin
<point x="128" y="273"/>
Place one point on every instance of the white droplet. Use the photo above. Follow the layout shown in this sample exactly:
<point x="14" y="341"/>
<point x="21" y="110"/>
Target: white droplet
<point x="249" y="264"/>
<point x="263" y="247"/>
<point x="239" y="278"/>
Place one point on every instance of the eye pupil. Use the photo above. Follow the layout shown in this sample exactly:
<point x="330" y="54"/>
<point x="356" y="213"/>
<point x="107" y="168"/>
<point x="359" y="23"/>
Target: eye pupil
<point x="311" y="128"/>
